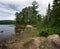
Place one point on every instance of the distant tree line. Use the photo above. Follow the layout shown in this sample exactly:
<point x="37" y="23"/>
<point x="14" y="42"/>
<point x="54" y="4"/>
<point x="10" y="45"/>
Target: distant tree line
<point x="7" y="22"/>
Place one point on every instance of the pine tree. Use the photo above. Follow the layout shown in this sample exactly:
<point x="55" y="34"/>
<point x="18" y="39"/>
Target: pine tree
<point x="34" y="13"/>
<point x="56" y="2"/>
<point x="48" y="12"/>
<point x="47" y="17"/>
<point x="55" y="13"/>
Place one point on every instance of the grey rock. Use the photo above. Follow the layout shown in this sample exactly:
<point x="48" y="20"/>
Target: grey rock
<point x="53" y="41"/>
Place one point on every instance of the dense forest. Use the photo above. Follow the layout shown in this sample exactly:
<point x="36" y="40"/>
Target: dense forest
<point x="49" y="23"/>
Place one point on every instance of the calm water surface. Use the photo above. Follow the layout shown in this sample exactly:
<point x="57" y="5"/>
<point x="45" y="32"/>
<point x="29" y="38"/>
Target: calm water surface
<point x="8" y="31"/>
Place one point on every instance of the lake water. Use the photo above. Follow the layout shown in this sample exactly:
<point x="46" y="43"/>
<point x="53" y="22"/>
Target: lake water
<point x="8" y="32"/>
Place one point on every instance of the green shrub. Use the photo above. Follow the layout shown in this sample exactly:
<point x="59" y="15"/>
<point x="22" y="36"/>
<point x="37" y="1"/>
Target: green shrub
<point x="27" y="42"/>
<point x="42" y="32"/>
<point x="47" y="31"/>
<point x="57" y="31"/>
<point x="27" y="30"/>
<point x="43" y="42"/>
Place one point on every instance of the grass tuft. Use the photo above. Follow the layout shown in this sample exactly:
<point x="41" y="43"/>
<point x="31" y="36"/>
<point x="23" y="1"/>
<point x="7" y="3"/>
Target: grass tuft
<point x="27" y="42"/>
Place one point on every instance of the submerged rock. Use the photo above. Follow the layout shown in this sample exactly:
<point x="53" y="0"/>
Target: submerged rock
<point x="1" y="31"/>
<point x="53" y="41"/>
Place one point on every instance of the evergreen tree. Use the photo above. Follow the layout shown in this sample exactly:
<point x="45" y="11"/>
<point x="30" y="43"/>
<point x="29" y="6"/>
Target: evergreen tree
<point x="47" y="17"/>
<point x="17" y="18"/>
<point x="56" y="2"/>
<point x="55" y="13"/>
<point x="34" y="12"/>
<point x="48" y="12"/>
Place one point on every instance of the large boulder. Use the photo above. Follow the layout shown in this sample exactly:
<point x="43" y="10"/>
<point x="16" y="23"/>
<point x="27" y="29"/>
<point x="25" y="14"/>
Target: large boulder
<point x="53" y="41"/>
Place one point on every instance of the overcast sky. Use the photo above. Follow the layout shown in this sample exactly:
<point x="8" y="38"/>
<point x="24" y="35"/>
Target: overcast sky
<point x="8" y="8"/>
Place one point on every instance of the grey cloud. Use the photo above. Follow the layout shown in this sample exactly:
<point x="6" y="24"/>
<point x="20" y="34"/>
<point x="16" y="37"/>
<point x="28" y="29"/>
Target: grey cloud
<point x="9" y="7"/>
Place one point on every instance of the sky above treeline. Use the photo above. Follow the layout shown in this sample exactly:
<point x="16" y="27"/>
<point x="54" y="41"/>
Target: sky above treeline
<point x="8" y="8"/>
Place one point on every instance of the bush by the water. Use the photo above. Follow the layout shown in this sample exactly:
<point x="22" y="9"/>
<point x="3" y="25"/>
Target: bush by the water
<point x="47" y="31"/>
